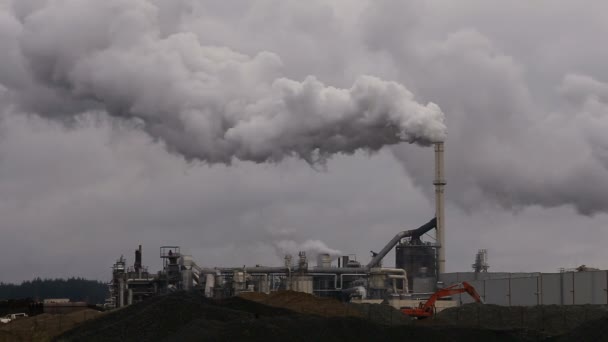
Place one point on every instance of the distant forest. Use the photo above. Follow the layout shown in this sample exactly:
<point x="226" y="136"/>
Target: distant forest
<point x="76" y="289"/>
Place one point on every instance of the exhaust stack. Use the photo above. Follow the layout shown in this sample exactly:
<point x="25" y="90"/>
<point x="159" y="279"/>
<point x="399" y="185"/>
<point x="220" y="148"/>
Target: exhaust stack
<point x="439" y="205"/>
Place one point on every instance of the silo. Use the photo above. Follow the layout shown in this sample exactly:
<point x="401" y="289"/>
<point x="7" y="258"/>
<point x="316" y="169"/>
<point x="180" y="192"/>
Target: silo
<point x="418" y="260"/>
<point x="324" y="260"/>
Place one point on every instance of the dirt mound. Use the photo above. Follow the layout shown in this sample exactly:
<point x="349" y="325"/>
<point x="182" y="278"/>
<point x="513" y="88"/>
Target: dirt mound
<point x="177" y="314"/>
<point x="382" y="314"/>
<point x="549" y="319"/>
<point x="329" y="307"/>
<point x="45" y="326"/>
<point x="188" y="316"/>
<point x="595" y="330"/>
<point x="304" y="303"/>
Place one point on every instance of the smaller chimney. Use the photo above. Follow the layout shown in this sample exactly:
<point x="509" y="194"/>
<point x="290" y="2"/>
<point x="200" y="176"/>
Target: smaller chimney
<point x="137" y="264"/>
<point x="345" y="260"/>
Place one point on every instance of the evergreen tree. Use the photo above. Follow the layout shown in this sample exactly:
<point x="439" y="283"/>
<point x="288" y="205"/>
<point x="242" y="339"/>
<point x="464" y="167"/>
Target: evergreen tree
<point x="76" y="289"/>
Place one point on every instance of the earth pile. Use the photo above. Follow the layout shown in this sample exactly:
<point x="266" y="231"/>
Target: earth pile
<point x="548" y="319"/>
<point x="189" y="316"/>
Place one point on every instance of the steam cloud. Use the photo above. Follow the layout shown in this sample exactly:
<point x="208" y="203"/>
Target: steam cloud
<point x="507" y="148"/>
<point x="312" y="248"/>
<point x="205" y="102"/>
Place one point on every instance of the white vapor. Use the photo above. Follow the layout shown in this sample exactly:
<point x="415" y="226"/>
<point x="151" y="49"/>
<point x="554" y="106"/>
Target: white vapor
<point x="312" y="248"/>
<point x="205" y="102"/>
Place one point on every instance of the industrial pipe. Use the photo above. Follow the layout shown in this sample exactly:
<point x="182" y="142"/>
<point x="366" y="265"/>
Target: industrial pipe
<point x="326" y="275"/>
<point x="337" y="270"/>
<point x="405" y="287"/>
<point x="261" y="269"/>
<point x="416" y="233"/>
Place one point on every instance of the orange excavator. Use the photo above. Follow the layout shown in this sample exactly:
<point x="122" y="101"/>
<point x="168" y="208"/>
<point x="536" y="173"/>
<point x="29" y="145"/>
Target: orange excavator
<point x="427" y="309"/>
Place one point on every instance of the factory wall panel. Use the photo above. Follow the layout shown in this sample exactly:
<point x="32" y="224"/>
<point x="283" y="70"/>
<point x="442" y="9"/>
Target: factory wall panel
<point x="448" y="278"/>
<point x="583" y="287"/>
<point x="497" y="291"/>
<point x="599" y="287"/>
<point x="567" y="288"/>
<point x="551" y="288"/>
<point x="497" y="275"/>
<point x="458" y="277"/>
<point x="523" y="275"/>
<point x="515" y="289"/>
<point x="524" y="291"/>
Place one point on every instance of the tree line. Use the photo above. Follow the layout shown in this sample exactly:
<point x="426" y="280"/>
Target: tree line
<point x="76" y="289"/>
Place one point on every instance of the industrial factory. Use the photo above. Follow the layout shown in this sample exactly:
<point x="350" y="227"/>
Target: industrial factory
<point x="418" y="274"/>
<point x="347" y="280"/>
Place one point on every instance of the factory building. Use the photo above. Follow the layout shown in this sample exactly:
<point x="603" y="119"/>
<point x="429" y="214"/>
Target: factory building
<point x="419" y="271"/>
<point x="347" y="279"/>
<point x="414" y="278"/>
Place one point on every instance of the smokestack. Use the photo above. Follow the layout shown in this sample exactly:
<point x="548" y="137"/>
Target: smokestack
<point x="439" y="209"/>
<point x="137" y="264"/>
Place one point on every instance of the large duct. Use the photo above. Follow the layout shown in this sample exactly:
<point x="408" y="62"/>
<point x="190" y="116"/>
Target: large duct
<point x="414" y="233"/>
<point x="439" y="205"/>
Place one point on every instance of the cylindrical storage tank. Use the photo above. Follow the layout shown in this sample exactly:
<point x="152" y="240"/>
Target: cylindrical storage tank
<point x="345" y="260"/>
<point x="238" y="281"/>
<point x="263" y="284"/>
<point x="377" y="281"/>
<point x="186" y="279"/>
<point x="301" y="284"/>
<point x="416" y="258"/>
<point x="239" y="277"/>
<point x="353" y="264"/>
<point x="186" y="260"/>
<point x="209" y="284"/>
<point x="324" y="260"/>
<point x="424" y="284"/>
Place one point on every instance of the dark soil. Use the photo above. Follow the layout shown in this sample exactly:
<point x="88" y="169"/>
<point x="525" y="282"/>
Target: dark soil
<point x="329" y="307"/>
<point x="188" y="316"/>
<point x="595" y="330"/>
<point x="548" y="319"/>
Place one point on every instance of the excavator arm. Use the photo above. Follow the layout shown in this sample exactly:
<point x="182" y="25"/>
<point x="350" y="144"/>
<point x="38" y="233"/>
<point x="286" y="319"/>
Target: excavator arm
<point x="427" y="309"/>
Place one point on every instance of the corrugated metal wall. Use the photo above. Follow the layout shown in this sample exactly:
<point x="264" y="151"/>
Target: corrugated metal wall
<point x="515" y="289"/>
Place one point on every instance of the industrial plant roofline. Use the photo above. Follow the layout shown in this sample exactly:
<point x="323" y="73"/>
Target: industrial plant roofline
<point x="415" y="234"/>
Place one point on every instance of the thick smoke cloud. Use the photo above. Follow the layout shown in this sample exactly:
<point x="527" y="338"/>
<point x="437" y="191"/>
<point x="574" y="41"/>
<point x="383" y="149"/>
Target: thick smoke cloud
<point x="205" y="102"/>
<point x="526" y="124"/>
<point x="523" y="86"/>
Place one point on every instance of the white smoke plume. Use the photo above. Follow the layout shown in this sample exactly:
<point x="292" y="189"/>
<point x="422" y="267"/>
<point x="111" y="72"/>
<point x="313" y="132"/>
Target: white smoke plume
<point x="205" y="102"/>
<point x="521" y="134"/>
<point x="312" y="248"/>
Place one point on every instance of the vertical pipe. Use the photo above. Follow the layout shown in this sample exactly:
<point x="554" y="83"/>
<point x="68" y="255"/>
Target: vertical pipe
<point x="121" y="293"/>
<point x="439" y="203"/>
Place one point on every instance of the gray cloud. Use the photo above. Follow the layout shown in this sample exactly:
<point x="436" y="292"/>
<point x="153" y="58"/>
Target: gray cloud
<point x="523" y="89"/>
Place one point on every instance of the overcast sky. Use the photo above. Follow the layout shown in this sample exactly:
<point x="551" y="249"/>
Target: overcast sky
<point x="127" y="122"/>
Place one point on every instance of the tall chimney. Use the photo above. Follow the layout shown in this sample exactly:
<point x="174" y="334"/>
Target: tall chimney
<point x="137" y="264"/>
<point x="439" y="208"/>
